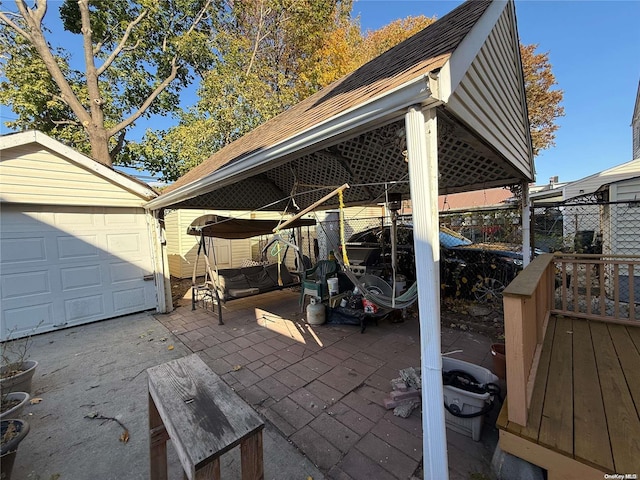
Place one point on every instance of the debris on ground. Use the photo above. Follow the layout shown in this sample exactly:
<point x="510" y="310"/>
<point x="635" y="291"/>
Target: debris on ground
<point x="124" y="437"/>
<point x="405" y="395"/>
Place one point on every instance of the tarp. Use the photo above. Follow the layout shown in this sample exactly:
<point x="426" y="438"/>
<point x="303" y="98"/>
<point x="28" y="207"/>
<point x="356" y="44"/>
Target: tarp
<point x="237" y="228"/>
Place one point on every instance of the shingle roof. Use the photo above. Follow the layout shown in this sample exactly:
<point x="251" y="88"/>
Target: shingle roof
<point x="426" y="51"/>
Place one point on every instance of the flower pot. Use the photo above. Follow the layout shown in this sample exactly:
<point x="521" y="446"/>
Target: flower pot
<point x="20" y="382"/>
<point x="499" y="360"/>
<point x="9" y="445"/>
<point x="22" y="398"/>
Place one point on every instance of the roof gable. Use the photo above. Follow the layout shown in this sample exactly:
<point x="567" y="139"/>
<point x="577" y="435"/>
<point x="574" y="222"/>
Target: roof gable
<point x="38" y="169"/>
<point x="636" y="110"/>
<point x="426" y="51"/>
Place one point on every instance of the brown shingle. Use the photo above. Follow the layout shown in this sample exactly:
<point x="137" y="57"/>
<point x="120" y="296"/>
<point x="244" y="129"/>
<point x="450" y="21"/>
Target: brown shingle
<point x="425" y="51"/>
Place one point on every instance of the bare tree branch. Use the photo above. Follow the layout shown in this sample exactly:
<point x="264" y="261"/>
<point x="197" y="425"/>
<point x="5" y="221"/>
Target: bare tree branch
<point x="164" y="84"/>
<point x="123" y="42"/>
<point x="35" y="36"/>
<point x="15" y="26"/>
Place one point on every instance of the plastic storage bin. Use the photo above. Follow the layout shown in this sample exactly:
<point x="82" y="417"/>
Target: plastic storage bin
<point x="466" y="402"/>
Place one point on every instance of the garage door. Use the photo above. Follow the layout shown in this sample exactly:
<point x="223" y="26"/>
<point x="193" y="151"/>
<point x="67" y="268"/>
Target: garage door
<point x="65" y="266"/>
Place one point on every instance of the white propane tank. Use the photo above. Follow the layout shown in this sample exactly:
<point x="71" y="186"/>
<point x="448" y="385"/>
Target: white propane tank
<point x="315" y="312"/>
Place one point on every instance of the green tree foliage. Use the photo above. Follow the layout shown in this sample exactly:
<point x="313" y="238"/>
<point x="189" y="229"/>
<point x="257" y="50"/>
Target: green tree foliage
<point x="266" y="49"/>
<point x="137" y="57"/>
<point x="254" y="59"/>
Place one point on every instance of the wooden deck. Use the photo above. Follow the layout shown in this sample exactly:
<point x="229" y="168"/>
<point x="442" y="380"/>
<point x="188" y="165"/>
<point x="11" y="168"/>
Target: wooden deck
<point x="584" y="414"/>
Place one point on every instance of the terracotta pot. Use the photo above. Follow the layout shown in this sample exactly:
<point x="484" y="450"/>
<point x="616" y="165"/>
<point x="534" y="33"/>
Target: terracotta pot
<point x="20" y="382"/>
<point x="499" y="360"/>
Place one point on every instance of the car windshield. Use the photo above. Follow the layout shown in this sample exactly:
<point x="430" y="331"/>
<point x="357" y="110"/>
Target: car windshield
<point x="451" y="239"/>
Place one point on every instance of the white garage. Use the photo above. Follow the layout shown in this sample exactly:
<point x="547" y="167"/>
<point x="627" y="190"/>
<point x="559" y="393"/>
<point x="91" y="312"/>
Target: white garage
<point x="76" y="245"/>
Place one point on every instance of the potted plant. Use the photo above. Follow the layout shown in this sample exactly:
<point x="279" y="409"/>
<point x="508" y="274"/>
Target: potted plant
<point x="11" y="404"/>
<point x="12" y="432"/>
<point x="16" y="370"/>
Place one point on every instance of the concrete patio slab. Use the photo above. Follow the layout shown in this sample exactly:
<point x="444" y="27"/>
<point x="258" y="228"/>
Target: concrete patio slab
<point x="320" y="389"/>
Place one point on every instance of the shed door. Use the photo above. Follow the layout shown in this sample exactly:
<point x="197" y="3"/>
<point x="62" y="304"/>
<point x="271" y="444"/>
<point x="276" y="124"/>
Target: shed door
<point x="65" y="266"/>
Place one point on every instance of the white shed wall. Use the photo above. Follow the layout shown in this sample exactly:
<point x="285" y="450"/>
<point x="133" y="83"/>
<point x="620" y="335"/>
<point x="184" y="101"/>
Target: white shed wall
<point x="35" y="175"/>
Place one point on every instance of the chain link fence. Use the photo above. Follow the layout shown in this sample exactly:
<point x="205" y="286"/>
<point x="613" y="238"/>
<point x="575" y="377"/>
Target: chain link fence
<point x="589" y="226"/>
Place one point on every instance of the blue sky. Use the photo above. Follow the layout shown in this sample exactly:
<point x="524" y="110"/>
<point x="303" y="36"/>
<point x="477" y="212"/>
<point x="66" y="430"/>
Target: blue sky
<point x="594" y="47"/>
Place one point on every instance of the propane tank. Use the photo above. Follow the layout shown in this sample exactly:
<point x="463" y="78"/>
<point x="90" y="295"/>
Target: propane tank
<point x="315" y="312"/>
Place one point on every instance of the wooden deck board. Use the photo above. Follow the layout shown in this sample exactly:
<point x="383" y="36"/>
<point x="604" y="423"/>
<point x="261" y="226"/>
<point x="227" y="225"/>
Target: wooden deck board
<point x="556" y="428"/>
<point x="585" y="404"/>
<point x="629" y="358"/>
<point x="532" y="428"/>
<point x="591" y="444"/>
<point x="622" y="417"/>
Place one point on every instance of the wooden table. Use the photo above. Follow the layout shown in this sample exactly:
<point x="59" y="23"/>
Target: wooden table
<point x="203" y="417"/>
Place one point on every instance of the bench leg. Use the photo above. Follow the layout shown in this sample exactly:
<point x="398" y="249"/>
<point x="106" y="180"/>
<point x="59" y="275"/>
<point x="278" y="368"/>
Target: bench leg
<point x="251" y="457"/>
<point x="157" y="444"/>
<point x="211" y="471"/>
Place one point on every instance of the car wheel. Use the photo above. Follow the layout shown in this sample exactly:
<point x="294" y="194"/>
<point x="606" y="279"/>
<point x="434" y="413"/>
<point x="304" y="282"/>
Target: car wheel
<point x="488" y="290"/>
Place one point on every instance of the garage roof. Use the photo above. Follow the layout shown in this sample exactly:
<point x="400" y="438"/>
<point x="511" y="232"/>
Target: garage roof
<point x="467" y="64"/>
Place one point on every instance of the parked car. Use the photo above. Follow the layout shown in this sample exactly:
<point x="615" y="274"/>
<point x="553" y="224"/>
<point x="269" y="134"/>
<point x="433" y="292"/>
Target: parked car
<point x="467" y="269"/>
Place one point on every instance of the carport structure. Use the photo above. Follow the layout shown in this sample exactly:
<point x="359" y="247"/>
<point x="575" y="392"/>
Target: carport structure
<point x="442" y="112"/>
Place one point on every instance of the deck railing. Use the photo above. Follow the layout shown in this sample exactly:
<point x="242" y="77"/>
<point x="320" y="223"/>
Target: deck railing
<point x="597" y="287"/>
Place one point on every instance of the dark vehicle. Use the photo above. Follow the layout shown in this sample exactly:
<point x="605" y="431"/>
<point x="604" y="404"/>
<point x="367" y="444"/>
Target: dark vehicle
<point x="467" y="269"/>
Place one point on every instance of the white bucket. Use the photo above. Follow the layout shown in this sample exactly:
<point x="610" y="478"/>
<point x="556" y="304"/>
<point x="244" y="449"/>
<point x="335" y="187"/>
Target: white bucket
<point x="334" y="289"/>
<point x="401" y="284"/>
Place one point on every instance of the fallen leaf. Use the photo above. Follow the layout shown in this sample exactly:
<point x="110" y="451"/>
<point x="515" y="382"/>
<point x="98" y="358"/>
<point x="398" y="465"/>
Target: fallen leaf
<point x="33" y="401"/>
<point x="236" y="368"/>
<point x="92" y="415"/>
<point x="170" y="347"/>
<point x="124" y="438"/>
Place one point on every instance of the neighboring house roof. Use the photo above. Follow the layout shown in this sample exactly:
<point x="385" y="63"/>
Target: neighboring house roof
<point x="588" y="185"/>
<point x="476" y="200"/>
<point x="21" y="139"/>
<point x="592" y="183"/>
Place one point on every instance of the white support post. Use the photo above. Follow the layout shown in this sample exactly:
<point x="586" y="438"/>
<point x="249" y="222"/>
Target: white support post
<point x="526" y="225"/>
<point x="422" y="154"/>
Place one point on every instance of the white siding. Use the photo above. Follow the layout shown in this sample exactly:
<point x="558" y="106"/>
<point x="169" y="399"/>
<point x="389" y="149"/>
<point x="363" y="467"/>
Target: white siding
<point x="490" y="96"/>
<point x="182" y="249"/>
<point x="33" y="174"/>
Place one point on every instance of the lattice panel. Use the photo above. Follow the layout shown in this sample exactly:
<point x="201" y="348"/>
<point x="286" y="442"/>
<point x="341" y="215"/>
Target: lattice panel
<point x="249" y="194"/>
<point x="465" y="161"/>
<point x="366" y="162"/>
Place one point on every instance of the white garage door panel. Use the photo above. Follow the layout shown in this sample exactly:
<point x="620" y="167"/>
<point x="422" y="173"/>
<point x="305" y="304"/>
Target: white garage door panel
<point x="125" y="300"/>
<point x="22" y="321"/>
<point x="84" y="309"/>
<point x="73" y="278"/>
<point x="20" y="250"/>
<point x="19" y="285"/>
<point x="78" y="247"/>
<point x="72" y="266"/>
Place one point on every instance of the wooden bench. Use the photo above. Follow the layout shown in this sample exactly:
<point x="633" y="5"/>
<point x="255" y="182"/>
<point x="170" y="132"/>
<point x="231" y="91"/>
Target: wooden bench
<point x="204" y="418"/>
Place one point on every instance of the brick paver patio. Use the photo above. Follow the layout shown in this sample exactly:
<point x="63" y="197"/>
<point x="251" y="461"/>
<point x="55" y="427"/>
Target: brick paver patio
<point x="323" y="386"/>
